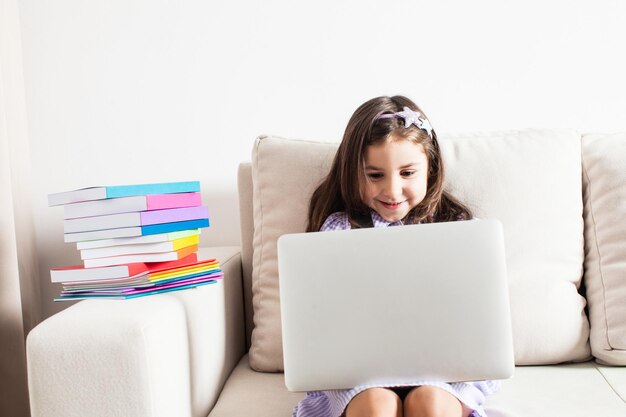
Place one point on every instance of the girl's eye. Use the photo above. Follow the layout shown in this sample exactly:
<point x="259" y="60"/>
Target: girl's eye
<point x="374" y="175"/>
<point x="408" y="173"/>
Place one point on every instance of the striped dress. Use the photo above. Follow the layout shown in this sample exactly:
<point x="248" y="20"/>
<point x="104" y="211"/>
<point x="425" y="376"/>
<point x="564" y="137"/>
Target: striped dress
<point x="333" y="403"/>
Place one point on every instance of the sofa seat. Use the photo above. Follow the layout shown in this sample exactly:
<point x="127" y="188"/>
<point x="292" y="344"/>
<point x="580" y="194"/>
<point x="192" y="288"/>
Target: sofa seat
<point x="251" y="393"/>
<point x="535" y="391"/>
<point x="574" y="390"/>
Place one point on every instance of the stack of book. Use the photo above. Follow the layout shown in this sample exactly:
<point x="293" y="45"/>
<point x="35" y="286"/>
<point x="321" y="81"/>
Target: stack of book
<point x="133" y="240"/>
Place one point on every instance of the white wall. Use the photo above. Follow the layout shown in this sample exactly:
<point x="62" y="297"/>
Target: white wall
<point x="132" y="91"/>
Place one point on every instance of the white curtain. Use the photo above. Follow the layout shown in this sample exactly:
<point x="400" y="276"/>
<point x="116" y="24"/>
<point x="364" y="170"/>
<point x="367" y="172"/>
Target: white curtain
<point x="19" y="289"/>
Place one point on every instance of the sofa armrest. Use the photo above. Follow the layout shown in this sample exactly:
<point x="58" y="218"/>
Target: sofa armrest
<point x="163" y="355"/>
<point x="125" y="358"/>
<point x="216" y="329"/>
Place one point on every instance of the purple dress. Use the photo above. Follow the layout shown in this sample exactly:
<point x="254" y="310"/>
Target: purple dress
<point x="333" y="403"/>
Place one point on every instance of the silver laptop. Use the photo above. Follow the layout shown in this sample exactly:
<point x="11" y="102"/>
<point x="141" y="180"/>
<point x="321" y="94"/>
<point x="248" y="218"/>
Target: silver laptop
<point x="395" y="305"/>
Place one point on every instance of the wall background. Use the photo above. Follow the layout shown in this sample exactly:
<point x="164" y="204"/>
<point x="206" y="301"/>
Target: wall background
<point x="133" y="91"/>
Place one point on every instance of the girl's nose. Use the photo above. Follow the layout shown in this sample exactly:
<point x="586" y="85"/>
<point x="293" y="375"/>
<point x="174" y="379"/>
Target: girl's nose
<point x="393" y="188"/>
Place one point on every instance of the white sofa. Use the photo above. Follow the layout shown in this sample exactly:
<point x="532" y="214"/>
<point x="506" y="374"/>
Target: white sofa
<point x="560" y="196"/>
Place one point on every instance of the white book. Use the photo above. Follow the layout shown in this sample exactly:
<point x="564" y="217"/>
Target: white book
<point x="102" y="234"/>
<point x="77" y="273"/>
<point x="140" y="258"/>
<point x="112" y="221"/>
<point x="116" y="191"/>
<point x="130" y="204"/>
<point x="135" y="231"/>
<point x="84" y="194"/>
<point x="106" y="206"/>
<point x="138" y="249"/>
<point x="136" y="240"/>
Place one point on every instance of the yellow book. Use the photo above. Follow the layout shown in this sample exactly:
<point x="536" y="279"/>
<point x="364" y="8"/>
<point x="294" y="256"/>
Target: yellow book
<point x="158" y="247"/>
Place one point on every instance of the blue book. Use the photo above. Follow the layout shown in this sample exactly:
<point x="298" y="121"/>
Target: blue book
<point x="135" y="231"/>
<point x="116" y="191"/>
<point x="155" y="229"/>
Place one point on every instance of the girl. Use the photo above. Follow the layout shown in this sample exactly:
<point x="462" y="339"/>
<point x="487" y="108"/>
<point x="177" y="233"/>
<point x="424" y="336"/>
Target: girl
<point x="388" y="171"/>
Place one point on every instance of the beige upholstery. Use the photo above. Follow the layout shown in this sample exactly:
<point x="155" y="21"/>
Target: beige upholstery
<point x="604" y="164"/>
<point x="244" y="185"/>
<point x="249" y="393"/>
<point x="159" y="356"/>
<point x="580" y="390"/>
<point x="284" y="175"/>
<point x="530" y="180"/>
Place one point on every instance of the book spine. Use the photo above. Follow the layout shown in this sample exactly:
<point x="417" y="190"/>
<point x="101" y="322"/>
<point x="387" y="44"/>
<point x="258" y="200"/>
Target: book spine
<point x="126" y="250"/>
<point x="111" y="221"/>
<point x="104" y="207"/>
<point x="130" y="204"/>
<point x="146" y="189"/>
<point x="167" y="201"/>
<point x="144" y="218"/>
<point x="136" y="240"/>
<point x="72" y="297"/>
<point x="102" y="234"/>
<point x="174" y="215"/>
<point x="140" y="248"/>
<point x="147" y="257"/>
<point x="174" y="227"/>
<point x="182" y="262"/>
<point x="84" y="194"/>
<point x="79" y="273"/>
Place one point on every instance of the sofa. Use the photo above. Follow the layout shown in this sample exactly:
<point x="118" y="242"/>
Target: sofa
<point x="216" y="350"/>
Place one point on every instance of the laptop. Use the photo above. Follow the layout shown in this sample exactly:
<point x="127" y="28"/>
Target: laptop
<point x="395" y="305"/>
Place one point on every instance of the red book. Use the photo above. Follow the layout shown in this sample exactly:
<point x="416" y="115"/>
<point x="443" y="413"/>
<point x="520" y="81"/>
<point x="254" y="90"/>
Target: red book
<point x="80" y="273"/>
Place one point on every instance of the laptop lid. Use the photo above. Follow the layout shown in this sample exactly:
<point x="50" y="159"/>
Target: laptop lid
<point x="395" y="305"/>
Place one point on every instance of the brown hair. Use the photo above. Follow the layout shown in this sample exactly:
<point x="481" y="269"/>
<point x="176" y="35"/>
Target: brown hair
<point x="341" y="191"/>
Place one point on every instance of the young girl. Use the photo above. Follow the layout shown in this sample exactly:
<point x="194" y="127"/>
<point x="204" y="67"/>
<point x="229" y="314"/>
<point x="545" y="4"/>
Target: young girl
<point x="388" y="171"/>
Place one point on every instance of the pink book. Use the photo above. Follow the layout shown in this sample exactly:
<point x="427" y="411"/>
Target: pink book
<point x="165" y="201"/>
<point x="131" y="204"/>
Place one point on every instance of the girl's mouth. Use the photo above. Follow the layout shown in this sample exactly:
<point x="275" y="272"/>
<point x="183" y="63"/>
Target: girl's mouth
<point x="391" y="206"/>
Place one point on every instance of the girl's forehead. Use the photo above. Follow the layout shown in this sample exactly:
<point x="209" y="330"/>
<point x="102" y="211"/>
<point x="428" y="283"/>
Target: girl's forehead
<point x="394" y="155"/>
<point x="398" y="148"/>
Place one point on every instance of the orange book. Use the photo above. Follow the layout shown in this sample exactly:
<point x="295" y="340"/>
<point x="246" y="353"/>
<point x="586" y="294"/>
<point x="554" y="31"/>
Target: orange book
<point x="144" y="257"/>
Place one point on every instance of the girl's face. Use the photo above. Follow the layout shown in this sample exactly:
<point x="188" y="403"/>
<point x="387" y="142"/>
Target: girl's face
<point x="396" y="174"/>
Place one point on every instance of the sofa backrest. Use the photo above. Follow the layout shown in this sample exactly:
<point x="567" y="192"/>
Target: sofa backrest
<point x="529" y="179"/>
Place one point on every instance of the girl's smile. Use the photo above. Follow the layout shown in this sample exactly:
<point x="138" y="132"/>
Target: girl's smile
<point x="391" y="206"/>
<point x="396" y="174"/>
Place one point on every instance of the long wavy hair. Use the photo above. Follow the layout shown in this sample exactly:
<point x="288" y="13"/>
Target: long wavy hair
<point x="341" y="189"/>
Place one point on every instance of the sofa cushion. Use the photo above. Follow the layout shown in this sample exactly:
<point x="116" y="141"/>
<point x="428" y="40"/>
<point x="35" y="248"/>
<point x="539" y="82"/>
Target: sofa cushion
<point x="284" y="174"/>
<point x="604" y="178"/>
<point x="530" y="180"/>
<point x="251" y="393"/>
<point x="577" y="390"/>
